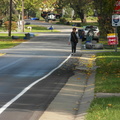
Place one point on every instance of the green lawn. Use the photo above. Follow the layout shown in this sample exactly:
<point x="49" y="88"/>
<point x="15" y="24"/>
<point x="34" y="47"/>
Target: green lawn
<point x="107" y="80"/>
<point x="104" y="109"/>
<point x="108" y="72"/>
<point x="5" y="35"/>
<point x="35" y="28"/>
<point x="8" y="42"/>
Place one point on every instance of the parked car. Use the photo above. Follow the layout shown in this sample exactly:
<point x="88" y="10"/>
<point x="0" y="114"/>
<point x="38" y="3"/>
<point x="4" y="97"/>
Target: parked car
<point x="34" y="18"/>
<point x="44" y="14"/>
<point x="90" y="31"/>
<point x="58" y="16"/>
<point x="50" y="16"/>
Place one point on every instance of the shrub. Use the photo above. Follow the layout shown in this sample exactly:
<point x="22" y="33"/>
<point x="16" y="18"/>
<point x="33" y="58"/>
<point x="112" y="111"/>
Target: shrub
<point x="1" y="22"/>
<point x="13" y="25"/>
<point x="14" y="18"/>
<point x="63" y="20"/>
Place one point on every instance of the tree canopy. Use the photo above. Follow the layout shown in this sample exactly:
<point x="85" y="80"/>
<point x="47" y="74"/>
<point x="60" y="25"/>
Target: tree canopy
<point x="103" y="9"/>
<point x="79" y="6"/>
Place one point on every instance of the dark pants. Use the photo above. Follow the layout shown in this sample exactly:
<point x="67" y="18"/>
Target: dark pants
<point x="73" y="45"/>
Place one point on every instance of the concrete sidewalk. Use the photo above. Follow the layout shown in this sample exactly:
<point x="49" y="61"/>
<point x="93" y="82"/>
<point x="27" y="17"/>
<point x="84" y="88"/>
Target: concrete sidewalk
<point x="72" y="102"/>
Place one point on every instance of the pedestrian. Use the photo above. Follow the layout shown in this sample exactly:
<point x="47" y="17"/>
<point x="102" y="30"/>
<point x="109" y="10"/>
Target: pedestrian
<point x="73" y="40"/>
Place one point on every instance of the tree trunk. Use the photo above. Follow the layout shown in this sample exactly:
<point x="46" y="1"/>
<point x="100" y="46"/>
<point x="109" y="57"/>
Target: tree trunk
<point x="81" y="15"/>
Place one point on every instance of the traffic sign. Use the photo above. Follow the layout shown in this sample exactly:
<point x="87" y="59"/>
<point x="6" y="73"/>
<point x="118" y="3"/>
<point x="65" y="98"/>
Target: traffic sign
<point x="112" y="39"/>
<point x="117" y="7"/>
<point x="115" y="20"/>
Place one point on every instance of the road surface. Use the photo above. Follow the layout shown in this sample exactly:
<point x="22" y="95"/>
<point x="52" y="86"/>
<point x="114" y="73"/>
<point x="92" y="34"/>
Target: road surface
<point x="29" y="78"/>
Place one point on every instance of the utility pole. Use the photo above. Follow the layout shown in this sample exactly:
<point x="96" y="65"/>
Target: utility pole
<point x="10" y="19"/>
<point x="22" y="15"/>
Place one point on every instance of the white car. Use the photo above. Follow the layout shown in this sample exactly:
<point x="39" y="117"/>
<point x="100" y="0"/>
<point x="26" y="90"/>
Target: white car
<point x="91" y="31"/>
<point x="50" y="16"/>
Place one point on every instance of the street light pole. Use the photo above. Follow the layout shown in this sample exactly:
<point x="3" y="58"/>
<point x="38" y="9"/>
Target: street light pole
<point x="22" y="15"/>
<point x="10" y="19"/>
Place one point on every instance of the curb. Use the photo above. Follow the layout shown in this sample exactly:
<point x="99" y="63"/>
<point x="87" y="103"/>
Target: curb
<point x="74" y="99"/>
<point x="87" y="98"/>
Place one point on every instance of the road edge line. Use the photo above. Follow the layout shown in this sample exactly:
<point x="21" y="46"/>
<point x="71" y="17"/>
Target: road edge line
<point x="4" y="107"/>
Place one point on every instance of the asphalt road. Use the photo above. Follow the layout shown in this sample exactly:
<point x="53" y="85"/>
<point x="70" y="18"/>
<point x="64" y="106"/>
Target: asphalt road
<point x="26" y="87"/>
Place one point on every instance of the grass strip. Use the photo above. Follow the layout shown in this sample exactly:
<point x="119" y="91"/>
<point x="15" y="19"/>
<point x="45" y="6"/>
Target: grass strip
<point x="5" y="35"/>
<point x="10" y="43"/>
<point x="108" y="72"/>
<point x="104" y="109"/>
<point x="34" y="28"/>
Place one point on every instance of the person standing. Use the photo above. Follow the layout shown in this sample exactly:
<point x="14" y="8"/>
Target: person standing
<point x="73" y="40"/>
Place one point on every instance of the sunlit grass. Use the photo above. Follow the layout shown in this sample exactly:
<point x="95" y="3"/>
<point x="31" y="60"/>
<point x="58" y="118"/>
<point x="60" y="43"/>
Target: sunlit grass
<point x="107" y="80"/>
<point x="108" y="72"/>
<point x="35" y="28"/>
<point x="5" y="35"/>
<point x="104" y="109"/>
<point x="10" y="43"/>
<point x="38" y="28"/>
<point x="7" y="42"/>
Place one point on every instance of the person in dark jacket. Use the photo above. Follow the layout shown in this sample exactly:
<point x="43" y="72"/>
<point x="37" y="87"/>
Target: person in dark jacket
<point x="73" y="40"/>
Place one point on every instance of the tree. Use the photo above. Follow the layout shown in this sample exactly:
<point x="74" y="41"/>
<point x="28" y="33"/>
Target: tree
<point x="79" y="6"/>
<point x="105" y="10"/>
<point x="4" y="7"/>
<point x="48" y="4"/>
<point x="30" y="6"/>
